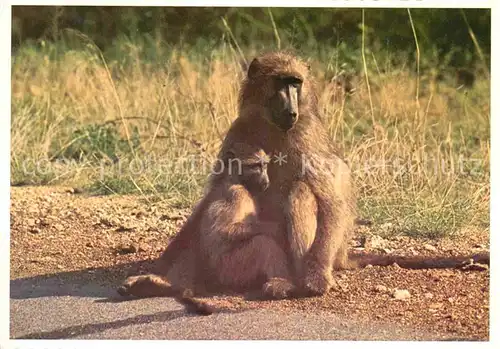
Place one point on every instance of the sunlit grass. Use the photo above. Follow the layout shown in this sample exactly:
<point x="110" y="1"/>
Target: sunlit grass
<point x="421" y="165"/>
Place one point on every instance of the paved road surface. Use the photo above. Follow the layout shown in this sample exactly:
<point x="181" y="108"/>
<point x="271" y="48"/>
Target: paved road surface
<point x="53" y="307"/>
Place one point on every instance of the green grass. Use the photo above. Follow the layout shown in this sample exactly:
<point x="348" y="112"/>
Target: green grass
<point x="75" y="112"/>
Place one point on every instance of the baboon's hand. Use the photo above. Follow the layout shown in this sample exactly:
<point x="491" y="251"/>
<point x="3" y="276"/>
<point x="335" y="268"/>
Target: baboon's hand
<point x="278" y="288"/>
<point x="317" y="281"/>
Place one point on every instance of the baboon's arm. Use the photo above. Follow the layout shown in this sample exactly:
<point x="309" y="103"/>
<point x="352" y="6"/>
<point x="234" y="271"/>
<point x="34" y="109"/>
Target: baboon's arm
<point x="252" y="227"/>
<point x="335" y="217"/>
<point x="235" y="218"/>
<point x="322" y="251"/>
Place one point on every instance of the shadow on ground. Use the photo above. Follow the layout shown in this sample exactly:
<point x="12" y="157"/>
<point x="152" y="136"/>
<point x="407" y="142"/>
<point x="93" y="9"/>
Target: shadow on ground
<point x="98" y="282"/>
<point x="92" y="328"/>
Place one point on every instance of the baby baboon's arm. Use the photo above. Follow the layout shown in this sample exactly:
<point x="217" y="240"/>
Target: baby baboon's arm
<point x="234" y="217"/>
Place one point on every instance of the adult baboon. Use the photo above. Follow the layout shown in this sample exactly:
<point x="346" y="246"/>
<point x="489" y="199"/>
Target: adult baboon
<point x="279" y="113"/>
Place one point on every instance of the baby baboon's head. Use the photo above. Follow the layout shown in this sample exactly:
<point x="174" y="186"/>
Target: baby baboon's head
<point x="247" y="165"/>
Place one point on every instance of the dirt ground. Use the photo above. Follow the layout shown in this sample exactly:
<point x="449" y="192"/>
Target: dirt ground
<point x="56" y="230"/>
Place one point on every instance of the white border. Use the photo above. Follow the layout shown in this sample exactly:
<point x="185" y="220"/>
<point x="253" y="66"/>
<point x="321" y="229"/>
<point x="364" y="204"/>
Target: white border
<point x="5" y="72"/>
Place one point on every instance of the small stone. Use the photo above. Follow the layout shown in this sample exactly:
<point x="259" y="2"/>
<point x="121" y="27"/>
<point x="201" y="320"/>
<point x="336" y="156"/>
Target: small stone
<point x="30" y="222"/>
<point x="412" y="251"/>
<point x="107" y="221"/>
<point x="375" y="242"/>
<point x="35" y="230"/>
<point x="386" y="226"/>
<point x="436" y="306"/>
<point x="58" y="227"/>
<point x="368" y="266"/>
<point x="401" y="294"/>
<point x="428" y="295"/>
<point x="42" y="259"/>
<point x="127" y="249"/>
<point x="122" y="228"/>
<point x="475" y="267"/>
<point x="451" y="317"/>
<point x="171" y="217"/>
<point x="395" y="265"/>
<point x="430" y="248"/>
<point x="381" y="288"/>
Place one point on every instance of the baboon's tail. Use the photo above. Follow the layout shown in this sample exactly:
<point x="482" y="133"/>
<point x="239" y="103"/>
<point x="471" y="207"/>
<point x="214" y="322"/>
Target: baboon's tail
<point x="196" y="306"/>
<point x="420" y="262"/>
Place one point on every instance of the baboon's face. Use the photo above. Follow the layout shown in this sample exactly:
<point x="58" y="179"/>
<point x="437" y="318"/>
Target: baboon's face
<point x="254" y="176"/>
<point x="284" y="104"/>
<point x="249" y="170"/>
<point x="277" y="88"/>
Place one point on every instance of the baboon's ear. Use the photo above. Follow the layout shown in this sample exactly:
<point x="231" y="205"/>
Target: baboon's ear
<point x="253" y="68"/>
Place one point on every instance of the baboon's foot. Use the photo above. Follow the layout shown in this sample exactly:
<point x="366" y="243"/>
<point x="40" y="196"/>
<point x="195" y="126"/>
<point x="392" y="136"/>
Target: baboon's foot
<point x="146" y="286"/>
<point x="318" y="282"/>
<point x="278" y="288"/>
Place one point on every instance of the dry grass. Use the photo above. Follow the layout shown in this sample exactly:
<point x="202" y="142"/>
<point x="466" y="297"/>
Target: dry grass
<point x="423" y="166"/>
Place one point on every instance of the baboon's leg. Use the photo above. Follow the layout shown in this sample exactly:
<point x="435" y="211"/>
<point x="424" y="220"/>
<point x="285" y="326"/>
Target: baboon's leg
<point x="258" y="262"/>
<point x="180" y="276"/>
<point x="301" y="216"/>
<point x="342" y="260"/>
<point x="336" y="208"/>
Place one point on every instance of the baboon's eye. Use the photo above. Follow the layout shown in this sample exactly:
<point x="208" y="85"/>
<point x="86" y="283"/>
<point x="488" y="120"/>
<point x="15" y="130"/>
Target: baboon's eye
<point x="290" y="80"/>
<point x="254" y="167"/>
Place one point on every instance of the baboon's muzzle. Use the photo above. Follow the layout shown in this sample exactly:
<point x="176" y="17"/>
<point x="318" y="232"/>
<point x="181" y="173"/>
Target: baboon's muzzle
<point x="286" y="107"/>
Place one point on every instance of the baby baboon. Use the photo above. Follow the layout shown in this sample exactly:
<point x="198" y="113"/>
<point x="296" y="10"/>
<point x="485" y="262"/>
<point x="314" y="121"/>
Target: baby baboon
<point x="237" y="246"/>
<point x="229" y="248"/>
<point x="279" y="112"/>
